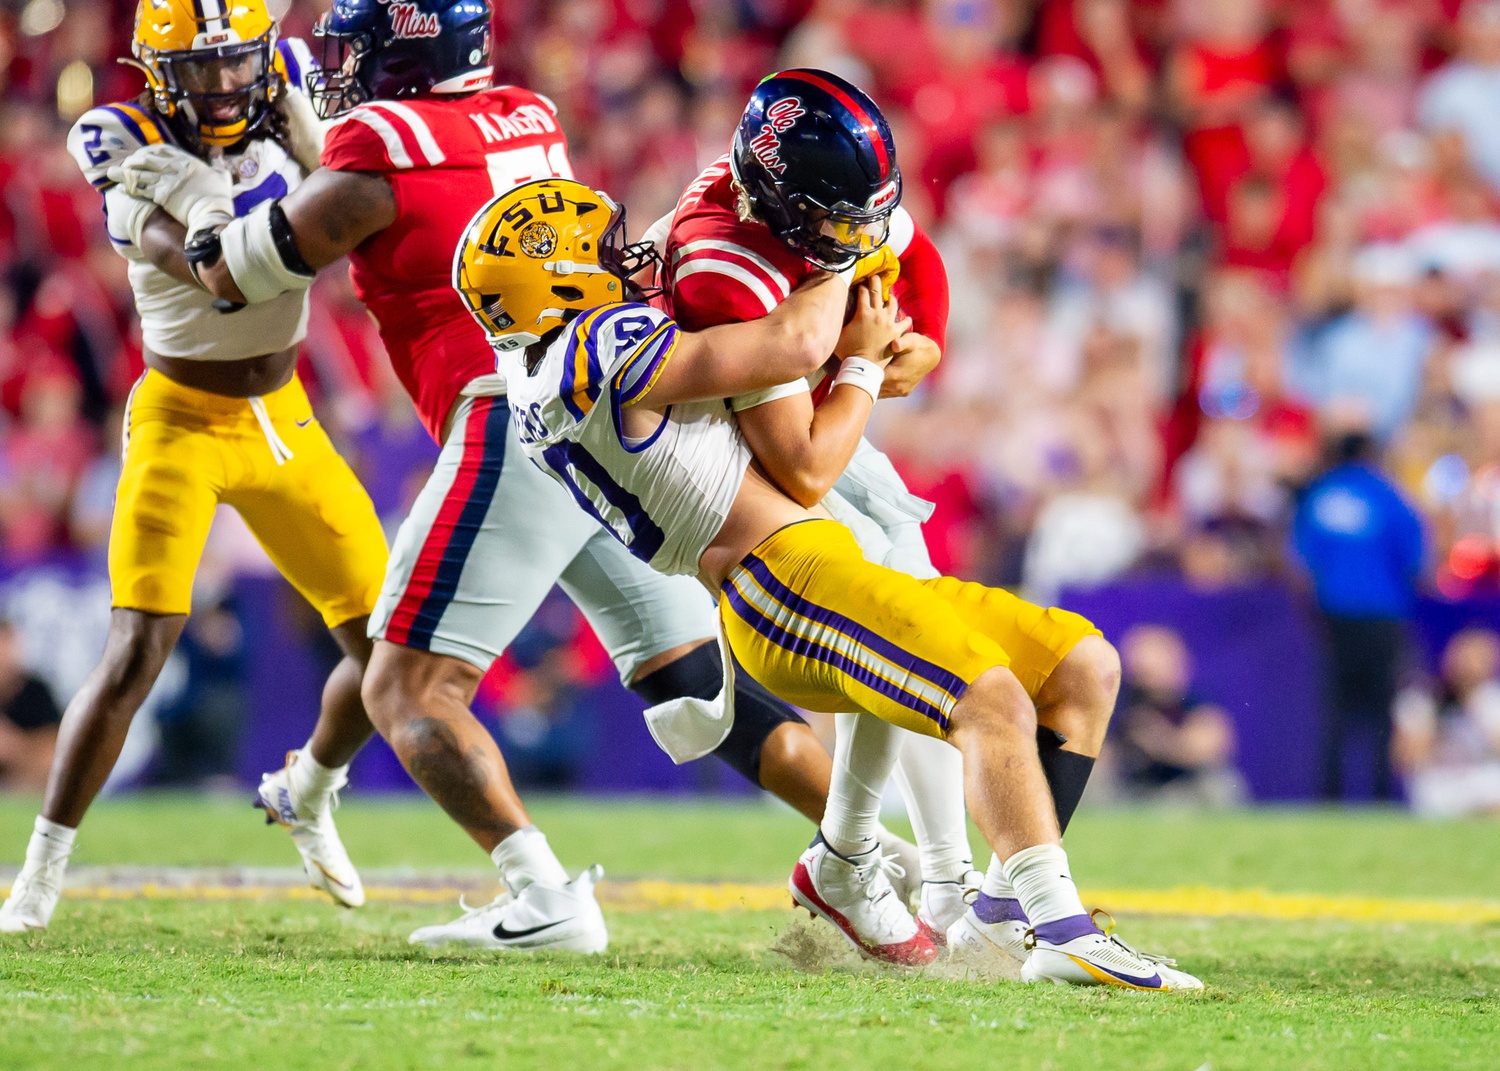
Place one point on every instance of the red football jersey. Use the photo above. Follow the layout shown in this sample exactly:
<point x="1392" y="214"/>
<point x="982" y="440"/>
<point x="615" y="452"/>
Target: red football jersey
<point x="444" y="158"/>
<point x="721" y="269"/>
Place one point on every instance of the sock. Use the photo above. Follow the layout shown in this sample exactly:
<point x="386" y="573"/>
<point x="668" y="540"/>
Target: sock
<point x="50" y="843"/>
<point x="1067" y="774"/>
<point x="311" y="781"/>
<point x="997" y="896"/>
<point x="1044" y="884"/>
<point x="930" y="775"/>
<point x="864" y="751"/>
<point x="525" y="857"/>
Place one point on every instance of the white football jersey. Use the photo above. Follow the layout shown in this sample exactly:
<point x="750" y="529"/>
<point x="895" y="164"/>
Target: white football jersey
<point x="665" y="497"/>
<point x="178" y="320"/>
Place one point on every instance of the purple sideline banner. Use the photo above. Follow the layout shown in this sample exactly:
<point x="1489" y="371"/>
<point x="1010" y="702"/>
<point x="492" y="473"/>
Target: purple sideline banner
<point x="1256" y="652"/>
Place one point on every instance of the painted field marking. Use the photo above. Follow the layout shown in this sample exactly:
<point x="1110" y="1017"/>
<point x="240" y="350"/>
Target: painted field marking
<point x="653" y="895"/>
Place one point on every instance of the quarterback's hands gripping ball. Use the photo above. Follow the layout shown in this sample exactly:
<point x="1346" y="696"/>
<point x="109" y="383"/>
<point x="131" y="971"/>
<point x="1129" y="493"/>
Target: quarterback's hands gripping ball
<point x="881" y="264"/>
<point x="189" y="190"/>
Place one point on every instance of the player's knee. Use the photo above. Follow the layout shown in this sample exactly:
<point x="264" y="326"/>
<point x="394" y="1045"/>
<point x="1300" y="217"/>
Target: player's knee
<point x="137" y="648"/>
<point x="995" y="704"/>
<point x="400" y="685"/>
<point x="1091" y="672"/>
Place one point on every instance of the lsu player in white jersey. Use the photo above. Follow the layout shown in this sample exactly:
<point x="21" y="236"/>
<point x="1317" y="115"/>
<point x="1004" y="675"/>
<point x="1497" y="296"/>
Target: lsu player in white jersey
<point x="628" y="412"/>
<point x="218" y="417"/>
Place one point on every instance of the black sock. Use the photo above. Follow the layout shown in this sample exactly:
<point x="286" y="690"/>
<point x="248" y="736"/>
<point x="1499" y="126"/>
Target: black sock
<point x="1067" y="773"/>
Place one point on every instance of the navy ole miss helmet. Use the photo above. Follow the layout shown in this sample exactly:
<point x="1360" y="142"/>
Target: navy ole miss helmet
<point x="818" y="164"/>
<point x="389" y="49"/>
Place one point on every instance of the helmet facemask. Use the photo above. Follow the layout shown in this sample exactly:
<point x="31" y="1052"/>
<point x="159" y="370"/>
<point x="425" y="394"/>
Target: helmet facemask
<point x="214" y="96"/>
<point x="626" y="261"/>
<point x="336" y="86"/>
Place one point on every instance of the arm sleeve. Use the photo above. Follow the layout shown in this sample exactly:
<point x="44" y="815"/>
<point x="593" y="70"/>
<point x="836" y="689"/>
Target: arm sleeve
<point x="922" y="289"/>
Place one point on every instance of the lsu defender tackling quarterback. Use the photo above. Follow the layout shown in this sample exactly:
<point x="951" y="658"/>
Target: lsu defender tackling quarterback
<point x="219" y="416"/>
<point x="628" y="412"/>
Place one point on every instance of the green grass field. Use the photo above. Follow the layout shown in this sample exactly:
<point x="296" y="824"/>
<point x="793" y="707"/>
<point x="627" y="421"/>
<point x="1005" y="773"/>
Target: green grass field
<point x="293" y="984"/>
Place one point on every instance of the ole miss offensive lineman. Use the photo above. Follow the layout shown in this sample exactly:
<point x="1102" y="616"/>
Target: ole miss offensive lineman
<point x="419" y="143"/>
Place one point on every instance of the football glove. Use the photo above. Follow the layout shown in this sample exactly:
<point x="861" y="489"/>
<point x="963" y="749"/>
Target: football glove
<point x="189" y="190"/>
<point x="881" y="264"/>
<point x="305" y="130"/>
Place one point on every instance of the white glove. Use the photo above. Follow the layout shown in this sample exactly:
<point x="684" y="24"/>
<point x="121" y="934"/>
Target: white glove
<point x="305" y="130"/>
<point x="191" y="192"/>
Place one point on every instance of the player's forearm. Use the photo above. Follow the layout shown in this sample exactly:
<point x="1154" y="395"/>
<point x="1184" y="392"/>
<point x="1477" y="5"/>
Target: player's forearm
<point x="161" y="241"/>
<point x="807" y="468"/>
<point x="800" y="333"/>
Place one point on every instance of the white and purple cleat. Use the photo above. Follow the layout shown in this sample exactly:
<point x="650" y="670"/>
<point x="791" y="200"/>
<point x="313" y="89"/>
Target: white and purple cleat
<point x="1074" y="951"/>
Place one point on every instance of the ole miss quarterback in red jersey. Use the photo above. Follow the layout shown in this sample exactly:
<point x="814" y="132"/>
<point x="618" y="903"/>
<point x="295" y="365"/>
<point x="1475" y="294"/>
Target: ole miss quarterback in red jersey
<point x="811" y="181"/>
<point x="421" y="141"/>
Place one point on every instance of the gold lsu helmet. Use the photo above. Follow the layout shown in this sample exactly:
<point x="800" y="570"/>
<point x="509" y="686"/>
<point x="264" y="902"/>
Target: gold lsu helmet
<point x="209" y="65"/>
<point x="537" y="256"/>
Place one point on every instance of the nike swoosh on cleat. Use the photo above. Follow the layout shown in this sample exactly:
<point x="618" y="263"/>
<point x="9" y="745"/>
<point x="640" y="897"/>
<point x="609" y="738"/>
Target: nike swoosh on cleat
<point x="1109" y="977"/>
<point x="324" y="871"/>
<point x="501" y="933"/>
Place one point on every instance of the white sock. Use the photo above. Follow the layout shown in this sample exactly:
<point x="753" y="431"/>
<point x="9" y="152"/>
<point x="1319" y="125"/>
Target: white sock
<point x="525" y="857"/>
<point x="311" y="781"/>
<point x="864" y="752"/>
<point x="996" y="884"/>
<point x="930" y="775"/>
<point x="50" y="843"/>
<point x="1044" y="884"/>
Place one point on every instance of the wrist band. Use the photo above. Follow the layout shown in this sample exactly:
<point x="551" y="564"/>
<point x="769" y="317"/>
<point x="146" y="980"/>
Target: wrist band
<point x="863" y="373"/>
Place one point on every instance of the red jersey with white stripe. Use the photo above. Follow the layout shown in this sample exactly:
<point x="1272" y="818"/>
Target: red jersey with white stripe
<point x="444" y="158"/>
<point x="721" y="269"/>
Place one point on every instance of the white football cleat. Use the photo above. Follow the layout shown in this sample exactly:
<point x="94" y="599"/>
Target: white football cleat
<point x="942" y="903"/>
<point x="1075" y="951"/>
<point x="317" y="839"/>
<point x="855" y="895"/>
<point x="991" y="931"/>
<point x="33" y="897"/>
<point x="538" y="918"/>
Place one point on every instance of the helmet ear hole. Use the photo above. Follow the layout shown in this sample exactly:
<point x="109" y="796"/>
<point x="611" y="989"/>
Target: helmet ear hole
<point x="568" y="293"/>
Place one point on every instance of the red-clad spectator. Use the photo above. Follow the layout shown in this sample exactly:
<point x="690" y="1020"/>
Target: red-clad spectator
<point x="958" y="75"/>
<point x="43" y="456"/>
<point x="1100" y="33"/>
<point x="1227" y="63"/>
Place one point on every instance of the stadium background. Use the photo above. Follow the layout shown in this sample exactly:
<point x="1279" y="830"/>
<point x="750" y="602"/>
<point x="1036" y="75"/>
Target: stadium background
<point x="1185" y="237"/>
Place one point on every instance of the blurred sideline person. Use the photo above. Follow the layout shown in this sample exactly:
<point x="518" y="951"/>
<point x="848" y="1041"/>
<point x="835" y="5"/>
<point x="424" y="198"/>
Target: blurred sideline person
<point x="1448" y="738"/>
<point x="1363" y="546"/>
<point x="420" y="141"/>
<point x="627" y="411"/>
<point x="1167" y="743"/>
<point x="219" y="416"/>
<point x="812" y="182"/>
<point x="28" y="719"/>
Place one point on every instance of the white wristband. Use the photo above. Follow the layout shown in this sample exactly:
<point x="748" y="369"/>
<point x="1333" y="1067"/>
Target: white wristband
<point x="863" y="373"/>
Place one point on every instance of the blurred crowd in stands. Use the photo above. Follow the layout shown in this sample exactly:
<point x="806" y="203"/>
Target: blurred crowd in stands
<point x="1194" y="246"/>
